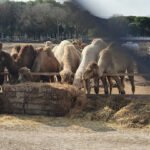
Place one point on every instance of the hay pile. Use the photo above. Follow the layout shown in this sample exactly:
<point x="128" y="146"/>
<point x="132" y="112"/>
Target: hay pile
<point x="134" y="115"/>
<point x="42" y="99"/>
<point x="121" y="110"/>
<point x="62" y="99"/>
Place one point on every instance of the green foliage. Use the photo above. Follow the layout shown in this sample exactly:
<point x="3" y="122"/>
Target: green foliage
<point x="139" y="25"/>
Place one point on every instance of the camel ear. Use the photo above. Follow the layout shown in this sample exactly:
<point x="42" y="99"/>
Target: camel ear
<point x="89" y="69"/>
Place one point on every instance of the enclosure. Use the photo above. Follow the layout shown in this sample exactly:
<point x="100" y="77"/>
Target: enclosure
<point x="61" y="111"/>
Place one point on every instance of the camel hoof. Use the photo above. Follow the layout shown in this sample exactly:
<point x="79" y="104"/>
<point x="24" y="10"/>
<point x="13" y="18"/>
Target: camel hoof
<point x="133" y="91"/>
<point x="96" y="90"/>
<point x="123" y="93"/>
<point x="106" y="93"/>
<point x="87" y="93"/>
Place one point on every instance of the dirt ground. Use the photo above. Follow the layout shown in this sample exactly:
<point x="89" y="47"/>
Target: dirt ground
<point x="51" y="133"/>
<point x="44" y="133"/>
<point x="142" y="86"/>
<point x="48" y="133"/>
<point x="8" y="46"/>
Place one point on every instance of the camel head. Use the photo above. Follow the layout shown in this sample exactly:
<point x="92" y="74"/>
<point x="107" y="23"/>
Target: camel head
<point x="48" y="43"/>
<point x="99" y="42"/>
<point x="67" y="76"/>
<point x="91" y="71"/>
<point x="24" y="74"/>
<point x="14" y="52"/>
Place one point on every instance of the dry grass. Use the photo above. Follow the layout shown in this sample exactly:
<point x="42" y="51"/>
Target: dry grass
<point x="13" y="121"/>
<point x="104" y="112"/>
<point x="36" y="122"/>
<point x="134" y="115"/>
<point x="126" y="113"/>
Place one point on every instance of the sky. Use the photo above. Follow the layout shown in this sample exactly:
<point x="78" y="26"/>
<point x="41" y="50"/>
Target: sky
<point x="33" y="0"/>
<point x="108" y="8"/>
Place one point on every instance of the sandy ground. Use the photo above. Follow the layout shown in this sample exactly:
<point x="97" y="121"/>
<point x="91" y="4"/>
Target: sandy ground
<point x="44" y="133"/>
<point x="9" y="46"/>
<point x="142" y="87"/>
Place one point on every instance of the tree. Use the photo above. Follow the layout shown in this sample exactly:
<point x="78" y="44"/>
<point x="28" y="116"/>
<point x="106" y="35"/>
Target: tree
<point x="50" y="18"/>
<point x="118" y="26"/>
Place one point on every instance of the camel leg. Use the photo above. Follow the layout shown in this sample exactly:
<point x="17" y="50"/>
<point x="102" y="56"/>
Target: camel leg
<point x="96" y="85"/>
<point x="58" y="78"/>
<point x="130" y="69"/>
<point x="45" y="79"/>
<point x="120" y="86"/>
<point x="122" y="81"/>
<point x="52" y="78"/>
<point x="110" y="84"/>
<point x="1" y="89"/>
<point x="105" y="84"/>
<point x="131" y="78"/>
<point x="86" y="84"/>
<point x="1" y="79"/>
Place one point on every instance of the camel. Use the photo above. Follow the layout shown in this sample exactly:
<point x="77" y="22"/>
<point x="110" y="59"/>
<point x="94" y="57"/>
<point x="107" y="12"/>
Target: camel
<point x="46" y="62"/>
<point x="89" y="54"/>
<point x="70" y="61"/>
<point x="26" y="56"/>
<point x="112" y="60"/>
<point x="6" y="61"/>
